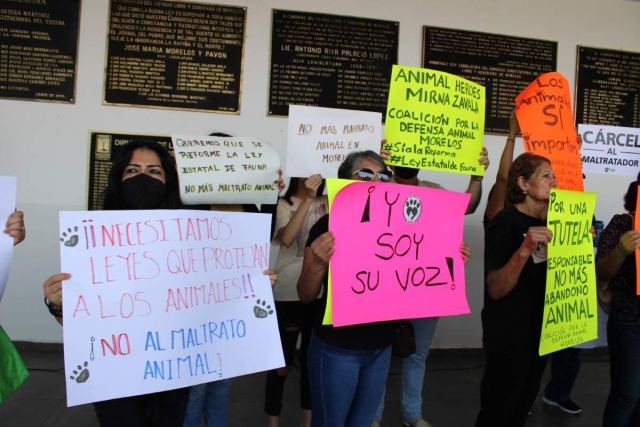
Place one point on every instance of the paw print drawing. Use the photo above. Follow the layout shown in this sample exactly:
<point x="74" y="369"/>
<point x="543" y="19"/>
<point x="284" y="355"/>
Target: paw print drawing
<point x="262" y="310"/>
<point x="526" y="136"/>
<point x="70" y="237"/>
<point x="82" y="374"/>
<point x="412" y="209"/>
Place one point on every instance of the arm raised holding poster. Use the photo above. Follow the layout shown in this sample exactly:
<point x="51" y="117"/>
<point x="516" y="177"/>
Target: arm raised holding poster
<point x="545" y="117"/>
<point x="516" y="262"/>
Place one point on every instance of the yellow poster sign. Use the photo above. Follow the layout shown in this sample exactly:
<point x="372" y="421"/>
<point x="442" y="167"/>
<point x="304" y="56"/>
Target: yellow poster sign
<point x="333" y="187"/>
<point x="570" y="304"/>
<point x="434" y="121"/>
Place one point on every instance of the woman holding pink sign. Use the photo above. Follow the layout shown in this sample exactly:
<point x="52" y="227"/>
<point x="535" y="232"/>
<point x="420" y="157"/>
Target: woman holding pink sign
<point x="348" y="366"/>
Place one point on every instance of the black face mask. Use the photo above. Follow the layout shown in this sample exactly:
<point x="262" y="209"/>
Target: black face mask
<point x="405" y="173"/>
<point x="143" y="192"/>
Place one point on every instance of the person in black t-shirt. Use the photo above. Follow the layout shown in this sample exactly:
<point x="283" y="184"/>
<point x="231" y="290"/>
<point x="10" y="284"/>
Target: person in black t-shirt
<point x="348" y="366"/>
<point x="515" y="276"/>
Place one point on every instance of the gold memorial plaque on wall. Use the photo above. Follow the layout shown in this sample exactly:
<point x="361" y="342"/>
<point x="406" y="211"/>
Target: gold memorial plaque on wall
<point x="38" y="50"/>
<point x="330" y="61"/>
<point x="504" y="65"/>
<point x="607" y="87"/>
<point x="176" y="55"/>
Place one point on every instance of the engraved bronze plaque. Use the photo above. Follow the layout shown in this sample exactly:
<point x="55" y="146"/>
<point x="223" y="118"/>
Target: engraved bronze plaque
<point x="607" y="87"/>
<point x="177" y="55"/>
<point x="38" y="49"/>
<point x="330" y="61"/>
<point x="504" y="65"/>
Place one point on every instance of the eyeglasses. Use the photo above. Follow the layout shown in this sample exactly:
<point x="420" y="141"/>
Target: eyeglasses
<point x="366" y="174"/>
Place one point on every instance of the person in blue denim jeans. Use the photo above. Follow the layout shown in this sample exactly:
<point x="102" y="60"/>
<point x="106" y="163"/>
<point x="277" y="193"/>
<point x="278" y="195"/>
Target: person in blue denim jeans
<point x="348" y="366"/>
<point x="210" y="400"/>
<point x="414" y="366"/>
<point x="614" y="265"/>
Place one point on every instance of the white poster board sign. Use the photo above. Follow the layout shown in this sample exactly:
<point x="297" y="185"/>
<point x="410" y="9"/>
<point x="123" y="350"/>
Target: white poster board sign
<point x="319" y="139"/>
<point x="159" y="300"/>
<point x="8" y="191"/>
<point x="610" y="150"/>
<point x="218" y="170"/>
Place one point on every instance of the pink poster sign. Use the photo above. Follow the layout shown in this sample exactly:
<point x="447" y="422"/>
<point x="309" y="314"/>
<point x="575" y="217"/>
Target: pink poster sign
<point x="396" y="253"/>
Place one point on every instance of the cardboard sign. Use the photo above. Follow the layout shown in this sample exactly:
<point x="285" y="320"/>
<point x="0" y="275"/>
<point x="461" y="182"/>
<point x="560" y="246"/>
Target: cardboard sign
<point x="435" y="121"/>
<point x="319" y="139"/>
<point x="570" y="303"/>
<point x="160" y="300"/>
<point x="218" y="170"/>
<point x="397" y="253"/>
<point x="544" y="114"/>
<point x="610" y="150"/>
<point x="8" y="190"/>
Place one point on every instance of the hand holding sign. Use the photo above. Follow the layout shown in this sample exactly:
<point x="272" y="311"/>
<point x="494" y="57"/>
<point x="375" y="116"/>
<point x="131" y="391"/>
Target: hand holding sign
<point x="397" y="253"/>
<point x="323" y="248"/>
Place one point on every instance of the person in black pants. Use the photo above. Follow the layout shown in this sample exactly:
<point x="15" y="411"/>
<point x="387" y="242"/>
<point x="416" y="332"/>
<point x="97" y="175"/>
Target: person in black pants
<point x="515" y="277"/>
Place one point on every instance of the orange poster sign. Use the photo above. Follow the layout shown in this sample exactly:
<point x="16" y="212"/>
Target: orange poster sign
<point x="544" y="114"/>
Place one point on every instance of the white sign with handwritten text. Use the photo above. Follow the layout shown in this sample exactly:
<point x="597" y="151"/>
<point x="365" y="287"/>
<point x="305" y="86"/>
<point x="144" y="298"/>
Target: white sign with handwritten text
<point x="319" y="139"/>
<point x="218" y="170"/>
<point x="159" y="300"/>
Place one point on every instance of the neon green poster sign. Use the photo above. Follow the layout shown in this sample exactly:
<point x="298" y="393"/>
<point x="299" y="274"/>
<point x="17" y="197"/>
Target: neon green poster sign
<point x="333" y="187"/>
<point x="434" y="121"/>
<point x="570" y="304"/>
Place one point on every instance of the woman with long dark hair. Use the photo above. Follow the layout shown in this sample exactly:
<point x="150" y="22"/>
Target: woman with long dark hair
<point x="301" y="206"/>
<point x="143" y="177"/>
<point x="616" y="264"/>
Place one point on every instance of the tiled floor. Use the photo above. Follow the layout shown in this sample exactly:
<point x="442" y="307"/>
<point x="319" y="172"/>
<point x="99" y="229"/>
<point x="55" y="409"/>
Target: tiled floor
<point x="450" y="395"/>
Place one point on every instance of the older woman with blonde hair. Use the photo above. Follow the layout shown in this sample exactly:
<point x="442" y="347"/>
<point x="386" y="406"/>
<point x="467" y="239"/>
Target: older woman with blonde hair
<point x="515" y="278"/>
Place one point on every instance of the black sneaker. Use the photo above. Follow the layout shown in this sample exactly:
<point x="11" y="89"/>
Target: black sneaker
<point x="568" y="406"/>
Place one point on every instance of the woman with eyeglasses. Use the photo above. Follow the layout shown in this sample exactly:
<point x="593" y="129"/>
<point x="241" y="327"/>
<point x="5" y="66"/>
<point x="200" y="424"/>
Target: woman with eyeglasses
<point x="348" y="365"/>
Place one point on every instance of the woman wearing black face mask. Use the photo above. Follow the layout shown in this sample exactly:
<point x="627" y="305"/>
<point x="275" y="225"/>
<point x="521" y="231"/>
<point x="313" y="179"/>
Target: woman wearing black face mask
<point x="144" y="177"/>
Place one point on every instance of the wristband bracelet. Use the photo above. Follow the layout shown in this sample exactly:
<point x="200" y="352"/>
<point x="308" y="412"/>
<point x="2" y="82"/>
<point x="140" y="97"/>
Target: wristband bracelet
<point x="478" y="178"/>
<point x="622" y="254"/>
<point x="511" y="139"/>
<point x="55" y="311"/>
